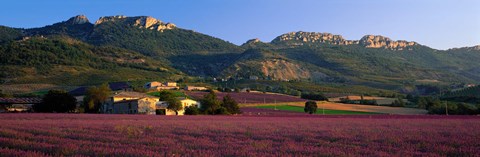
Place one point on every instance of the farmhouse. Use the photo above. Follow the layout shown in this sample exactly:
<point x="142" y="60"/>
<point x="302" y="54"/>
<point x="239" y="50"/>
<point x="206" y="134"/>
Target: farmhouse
<point x="160" y="86"/>
<point x="161" y="107"/>
<point x="130" y="103"/>
<point x="195" y="88"/>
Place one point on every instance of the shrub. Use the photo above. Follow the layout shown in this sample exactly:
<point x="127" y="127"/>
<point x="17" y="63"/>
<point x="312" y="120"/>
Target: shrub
<point x="230" y="105"/>
<point x="310" y="107"/>
<point x="222" y="110"/>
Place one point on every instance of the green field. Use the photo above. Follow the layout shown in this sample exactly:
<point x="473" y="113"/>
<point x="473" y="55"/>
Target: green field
<point x="319" y="110"/>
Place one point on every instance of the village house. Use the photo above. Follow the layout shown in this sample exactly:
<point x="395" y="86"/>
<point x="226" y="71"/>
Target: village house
<point x="130" y="103"/>
<point x="161" y="107"/>
<point x="195" y="88"/>
<point x="161" y="86"/>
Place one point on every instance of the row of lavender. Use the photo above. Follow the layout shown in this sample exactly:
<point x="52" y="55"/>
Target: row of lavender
<point x="141" y="135"/>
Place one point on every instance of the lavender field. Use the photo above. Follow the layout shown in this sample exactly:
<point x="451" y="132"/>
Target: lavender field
<point x="290" y="135"/>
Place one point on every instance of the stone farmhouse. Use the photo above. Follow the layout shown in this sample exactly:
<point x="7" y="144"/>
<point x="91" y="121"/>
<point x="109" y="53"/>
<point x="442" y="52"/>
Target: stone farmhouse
<point x="160" y="86"/>
<point x="161" y="107"/>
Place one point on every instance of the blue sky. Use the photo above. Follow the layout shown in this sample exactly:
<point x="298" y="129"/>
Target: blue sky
<point x="440" y="24"/>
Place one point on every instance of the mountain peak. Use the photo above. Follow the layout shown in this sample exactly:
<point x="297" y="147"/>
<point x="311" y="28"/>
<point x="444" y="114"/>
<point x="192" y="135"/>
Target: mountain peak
<point x="378" y="41"/>
<point x="79" y="19"/>
<point x="146" y="22"/>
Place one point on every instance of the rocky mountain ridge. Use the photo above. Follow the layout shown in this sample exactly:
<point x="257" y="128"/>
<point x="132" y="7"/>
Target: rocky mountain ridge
<point x="368" y="41"/>
<point x="146" y="22"/>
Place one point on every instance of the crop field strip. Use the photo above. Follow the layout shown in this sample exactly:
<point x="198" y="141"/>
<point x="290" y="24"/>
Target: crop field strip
<point x="291" y="135"/>
<point x="319" y="110"/>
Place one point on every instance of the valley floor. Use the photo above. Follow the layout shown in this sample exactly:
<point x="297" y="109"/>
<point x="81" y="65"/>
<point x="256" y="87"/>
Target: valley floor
<point x="241" y="135"/>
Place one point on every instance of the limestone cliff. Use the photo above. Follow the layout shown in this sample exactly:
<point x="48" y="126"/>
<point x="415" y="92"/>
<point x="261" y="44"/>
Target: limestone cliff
<point x="368" y="41"/>
<point x="376" y="41"/>
<point x="146" y="22"/>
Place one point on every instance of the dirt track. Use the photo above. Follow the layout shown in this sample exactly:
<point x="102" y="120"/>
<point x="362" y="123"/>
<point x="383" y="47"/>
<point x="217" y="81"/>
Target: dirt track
<point x="353" y="107"/>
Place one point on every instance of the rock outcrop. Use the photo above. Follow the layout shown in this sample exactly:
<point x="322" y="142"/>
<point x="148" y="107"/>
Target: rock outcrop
<point x="368" y="41"/>
<point x="477" y="48"/>
<point x="297" y="38"/>
<point x="280" y="69"/>
<point x="146" y="22"/>
<point x="77" y="20"/>
<point x="376" y="41"/>
<point x="253" y="41"/>
<point x="109" y="19"/>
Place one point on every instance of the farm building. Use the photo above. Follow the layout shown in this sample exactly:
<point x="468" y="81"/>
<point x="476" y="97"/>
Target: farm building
<point x="160" y="86"/>
<point x="161" y="106"/>
<point x="130" y="103"/>
<point x="195" y="88"/>
<point x="144" y="105"/>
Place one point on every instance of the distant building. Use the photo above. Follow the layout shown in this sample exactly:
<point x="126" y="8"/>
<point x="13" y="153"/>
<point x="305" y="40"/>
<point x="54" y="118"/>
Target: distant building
<point x="152" y="84"/>
<point x="470" y="85"/>
<point x="160" y="86"/>
<point x="161" y="107"/>
<point x="195" y="88"/>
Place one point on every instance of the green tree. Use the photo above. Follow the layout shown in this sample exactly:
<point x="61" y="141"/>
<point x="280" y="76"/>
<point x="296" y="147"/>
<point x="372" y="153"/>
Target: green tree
<point x="466" y="109"/>
<point x="310" y="107"/>
<point x="165" y="95"/>
<point x="398" y="103"/>
<point x="174" y="104"/>
<point x="192" y="110"/>
<point x="56" y="101"/>
<point x="95" y="97"/>
<point x="440" y="108"/>
<point x="210" y="103"/>
<point x="230" y="105"/>
<point x="422" y="103"/>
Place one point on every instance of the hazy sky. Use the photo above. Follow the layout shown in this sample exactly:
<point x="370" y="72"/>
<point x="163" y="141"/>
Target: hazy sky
<point x="440" y="24"/>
